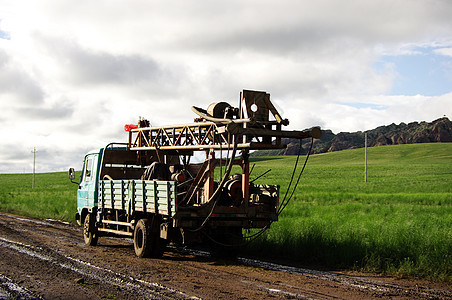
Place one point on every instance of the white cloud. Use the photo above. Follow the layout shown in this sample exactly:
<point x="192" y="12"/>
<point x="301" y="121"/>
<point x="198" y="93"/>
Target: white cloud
<point x="72" y="75"/>
<point x="444" y="51"/>
<point x="15" y="82"/>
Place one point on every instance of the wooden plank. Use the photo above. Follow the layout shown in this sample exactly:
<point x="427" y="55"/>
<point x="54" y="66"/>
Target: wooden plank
<point x="102" y="192"/>
<point x="162" y="210"/>
<point x="143" y="195"/>
<point x="122" y="194"/>
<point x="112" y="194"/>
<point x="168" y="194"/>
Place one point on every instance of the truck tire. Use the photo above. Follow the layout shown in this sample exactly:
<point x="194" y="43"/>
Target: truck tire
<point x="142" y="238"/>
<point x="89" y="231"/>
<point x="146" y="239"/>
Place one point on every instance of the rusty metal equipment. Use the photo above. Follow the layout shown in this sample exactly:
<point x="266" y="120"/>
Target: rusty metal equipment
<point x="255" y="124"/>
<point x="151" y="185"/>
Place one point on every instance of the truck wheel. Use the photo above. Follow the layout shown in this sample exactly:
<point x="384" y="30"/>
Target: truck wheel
<point x="146" y="239"/>
<point x="141" y="238"/>
<point x="89" y="231"/>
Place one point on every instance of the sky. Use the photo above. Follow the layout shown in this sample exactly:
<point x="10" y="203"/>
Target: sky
<point x="73" y="73"/>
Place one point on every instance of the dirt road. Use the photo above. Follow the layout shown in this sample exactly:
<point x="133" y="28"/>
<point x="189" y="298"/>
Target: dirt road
<point x="48" y="260"/>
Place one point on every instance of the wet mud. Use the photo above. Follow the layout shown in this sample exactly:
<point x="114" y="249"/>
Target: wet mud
<point x="44" y="259"/>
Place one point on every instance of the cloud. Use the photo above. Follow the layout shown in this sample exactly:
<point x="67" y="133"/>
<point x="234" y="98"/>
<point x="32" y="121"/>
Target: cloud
<point x="55" y="111"/>
<point x="16" y="82"/>
<point x="4" y="35"/>
<point x="88" y="67"/>
<point x="298" y="27"/>
<point x="444" y="51"/>
<point x="380" y="110"/>
<point x="72" y="75"/>
<point x="47" y="159"/>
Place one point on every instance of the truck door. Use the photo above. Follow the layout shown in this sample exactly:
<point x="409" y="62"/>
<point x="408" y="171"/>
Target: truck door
<point x="87" y="192"/>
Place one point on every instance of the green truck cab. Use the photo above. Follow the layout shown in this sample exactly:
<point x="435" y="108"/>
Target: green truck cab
<point x="87" y="191"/>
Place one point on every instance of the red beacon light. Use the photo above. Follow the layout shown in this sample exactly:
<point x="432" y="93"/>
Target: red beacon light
<point x="127" y="127"/>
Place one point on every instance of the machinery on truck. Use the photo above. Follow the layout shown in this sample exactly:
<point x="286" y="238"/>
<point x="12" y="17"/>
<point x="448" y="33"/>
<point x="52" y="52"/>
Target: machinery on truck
<point x="148" y="190"/>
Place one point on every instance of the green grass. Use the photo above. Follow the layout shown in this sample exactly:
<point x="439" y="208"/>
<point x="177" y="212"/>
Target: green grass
<point x="398" y="223"/>
<point x="53" y="196"/>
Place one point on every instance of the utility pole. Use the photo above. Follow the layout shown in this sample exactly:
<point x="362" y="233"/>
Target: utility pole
<point x="365" y="157"/>
<point x="34" y="163"/>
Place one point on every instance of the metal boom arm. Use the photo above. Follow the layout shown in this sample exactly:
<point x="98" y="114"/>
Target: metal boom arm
<point x="209" y="135"/>
<point x="250" y="123"/>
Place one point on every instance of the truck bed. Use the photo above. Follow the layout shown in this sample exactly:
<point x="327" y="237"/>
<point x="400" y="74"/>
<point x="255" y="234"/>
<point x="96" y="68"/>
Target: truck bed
<point x="149" y="196"/>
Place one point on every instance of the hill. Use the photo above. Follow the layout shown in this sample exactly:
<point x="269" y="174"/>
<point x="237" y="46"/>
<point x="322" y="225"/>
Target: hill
<point x="438" y="131"/>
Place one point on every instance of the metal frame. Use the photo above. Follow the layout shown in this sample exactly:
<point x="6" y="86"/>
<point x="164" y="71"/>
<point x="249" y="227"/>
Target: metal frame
<point x="209" y="135"/>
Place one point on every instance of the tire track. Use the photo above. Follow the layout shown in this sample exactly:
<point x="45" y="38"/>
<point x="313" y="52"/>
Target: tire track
<point x="145" y="290"/>
<point x="355" y="282"/>
<point x="10" y="290"/>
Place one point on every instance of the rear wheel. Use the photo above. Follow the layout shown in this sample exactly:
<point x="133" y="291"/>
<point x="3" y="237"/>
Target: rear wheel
<point x="146" y="238"/>
<point x="89" y="231"/>
<point x="141" y="238"/>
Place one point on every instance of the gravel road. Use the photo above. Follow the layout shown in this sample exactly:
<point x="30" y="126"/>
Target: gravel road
<point x="45" y="259"/>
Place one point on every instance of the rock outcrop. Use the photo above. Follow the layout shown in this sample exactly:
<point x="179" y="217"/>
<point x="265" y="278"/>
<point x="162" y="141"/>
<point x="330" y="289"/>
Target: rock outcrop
<point x="438" y="131"/>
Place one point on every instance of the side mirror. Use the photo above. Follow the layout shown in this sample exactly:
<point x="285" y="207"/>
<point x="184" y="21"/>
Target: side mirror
<point x="71" y="173"/>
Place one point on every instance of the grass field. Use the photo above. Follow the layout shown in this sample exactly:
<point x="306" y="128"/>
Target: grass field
<point x="54" y="196"/>
<point x="398" y="223"/>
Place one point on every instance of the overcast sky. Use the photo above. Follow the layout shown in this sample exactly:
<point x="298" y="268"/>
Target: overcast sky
<point x="72" y="73"/>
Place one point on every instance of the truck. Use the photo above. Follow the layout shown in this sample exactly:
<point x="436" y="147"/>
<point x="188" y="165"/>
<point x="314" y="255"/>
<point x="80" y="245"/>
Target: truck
<point x="149" y="190"/>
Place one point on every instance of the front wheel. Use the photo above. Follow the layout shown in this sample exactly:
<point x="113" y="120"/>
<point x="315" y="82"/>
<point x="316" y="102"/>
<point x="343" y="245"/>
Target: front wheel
<point x="89" y="231"/>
